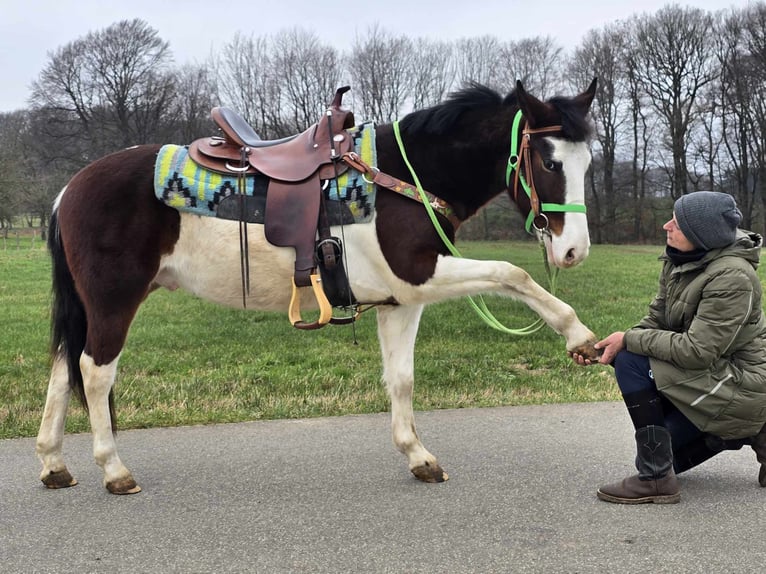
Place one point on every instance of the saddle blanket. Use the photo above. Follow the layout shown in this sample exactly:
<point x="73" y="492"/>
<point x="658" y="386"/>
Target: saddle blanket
<point x="185" y="186"/>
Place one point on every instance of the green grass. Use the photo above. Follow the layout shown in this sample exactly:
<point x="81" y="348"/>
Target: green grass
<point x="191" y="362"/>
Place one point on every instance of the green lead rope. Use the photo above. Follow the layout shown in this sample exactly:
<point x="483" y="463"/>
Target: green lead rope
<point x="480" y="307"/>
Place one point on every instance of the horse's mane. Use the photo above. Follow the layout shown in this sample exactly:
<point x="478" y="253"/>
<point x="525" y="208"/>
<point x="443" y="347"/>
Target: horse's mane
<point x="439" y="119"/>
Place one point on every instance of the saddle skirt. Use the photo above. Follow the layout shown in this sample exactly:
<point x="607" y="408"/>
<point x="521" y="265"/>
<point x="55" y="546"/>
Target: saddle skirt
<point x="184" y="185"/>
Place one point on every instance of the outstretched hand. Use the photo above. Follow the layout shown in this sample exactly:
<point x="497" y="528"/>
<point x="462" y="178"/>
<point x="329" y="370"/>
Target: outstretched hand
<point x="609" y="348"/>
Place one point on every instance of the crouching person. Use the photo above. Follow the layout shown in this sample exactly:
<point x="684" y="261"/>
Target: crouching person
<point x="692" y="373"/>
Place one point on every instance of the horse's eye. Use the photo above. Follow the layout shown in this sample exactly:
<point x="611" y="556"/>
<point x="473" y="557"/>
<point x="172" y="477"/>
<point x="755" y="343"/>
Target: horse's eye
<point x="551" y="165"/>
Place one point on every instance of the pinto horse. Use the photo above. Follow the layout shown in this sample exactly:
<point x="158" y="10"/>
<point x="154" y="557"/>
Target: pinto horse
<point x="112" y="242"/>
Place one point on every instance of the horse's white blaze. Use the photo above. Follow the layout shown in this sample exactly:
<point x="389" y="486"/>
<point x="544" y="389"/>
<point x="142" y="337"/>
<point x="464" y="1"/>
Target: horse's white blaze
<point x="51" y="435"/>
<point x="572" y="246"/>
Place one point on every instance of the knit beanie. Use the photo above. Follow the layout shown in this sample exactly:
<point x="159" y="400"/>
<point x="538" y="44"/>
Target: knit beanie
<point x="708" y="219"/>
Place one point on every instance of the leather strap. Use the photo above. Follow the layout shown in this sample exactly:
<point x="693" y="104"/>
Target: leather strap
<point x="374" y="175"/>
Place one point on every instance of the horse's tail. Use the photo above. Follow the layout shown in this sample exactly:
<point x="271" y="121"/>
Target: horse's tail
<point x="69" y="324"/>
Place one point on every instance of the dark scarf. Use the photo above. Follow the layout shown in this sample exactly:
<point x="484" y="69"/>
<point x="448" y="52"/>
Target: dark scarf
<point x="680" y="257"/>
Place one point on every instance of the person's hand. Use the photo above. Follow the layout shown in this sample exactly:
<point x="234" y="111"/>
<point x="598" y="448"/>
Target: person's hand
<point x="609" y="348"/>
<point x="611" y="345"/>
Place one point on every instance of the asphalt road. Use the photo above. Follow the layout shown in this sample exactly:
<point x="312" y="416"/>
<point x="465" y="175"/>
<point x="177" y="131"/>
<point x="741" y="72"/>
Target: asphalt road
<point x="332" y="495"/>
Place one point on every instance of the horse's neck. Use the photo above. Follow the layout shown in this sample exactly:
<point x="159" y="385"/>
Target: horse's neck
<point x="449" y="168"/>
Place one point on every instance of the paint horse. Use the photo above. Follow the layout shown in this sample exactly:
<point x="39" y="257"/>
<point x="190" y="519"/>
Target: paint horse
<point x="112" y="242"/>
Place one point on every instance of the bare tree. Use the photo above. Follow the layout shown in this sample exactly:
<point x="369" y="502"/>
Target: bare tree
<point x="538" y="62"/>
<point x="309" y="72"/>
<point x="732" y="113"/>
<point x="601" y="54"/>
<point x="126" y="61"/>
<point x="673" y="63"/>
<point x="248" y="83"/>
<point x="12" y="181"/>
<point x="196" y="96"/>
<point x="479" y="60"/>
<point x="754" y="72"/>
<point x="432" y="72"/>
<point x="106" y="90"/>
<point x="379" y="66"/>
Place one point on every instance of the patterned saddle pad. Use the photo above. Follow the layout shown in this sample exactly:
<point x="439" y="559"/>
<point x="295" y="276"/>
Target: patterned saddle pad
<point x="185" y="186"/>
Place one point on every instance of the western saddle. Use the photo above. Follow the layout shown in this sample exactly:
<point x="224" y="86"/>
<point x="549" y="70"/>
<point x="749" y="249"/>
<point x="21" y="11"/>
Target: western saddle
<point x="295" y="166"/>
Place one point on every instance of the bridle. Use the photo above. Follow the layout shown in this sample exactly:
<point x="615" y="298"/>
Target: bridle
<point x="537" y="209"/>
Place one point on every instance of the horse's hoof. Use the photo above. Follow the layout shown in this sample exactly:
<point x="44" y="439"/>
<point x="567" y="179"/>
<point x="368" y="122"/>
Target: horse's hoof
<point x="58" y="479"/>
<point x="588" y="351"/>
<point x="430" y="473"/>
<point x="123" y="486"/>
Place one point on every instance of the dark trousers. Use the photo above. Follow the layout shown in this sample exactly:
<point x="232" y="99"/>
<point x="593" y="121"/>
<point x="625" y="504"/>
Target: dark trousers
<point x="647" y="406"/>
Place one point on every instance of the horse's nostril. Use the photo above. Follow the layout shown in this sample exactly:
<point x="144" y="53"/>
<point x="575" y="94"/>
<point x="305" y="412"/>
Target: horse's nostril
<point x="570" y="255"/>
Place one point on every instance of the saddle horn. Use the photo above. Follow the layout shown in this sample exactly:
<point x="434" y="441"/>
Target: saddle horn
<point x="336" y="101"/>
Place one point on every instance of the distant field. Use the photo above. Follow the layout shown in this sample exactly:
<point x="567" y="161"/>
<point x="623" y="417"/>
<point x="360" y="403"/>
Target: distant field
<point x="191" y="362"/>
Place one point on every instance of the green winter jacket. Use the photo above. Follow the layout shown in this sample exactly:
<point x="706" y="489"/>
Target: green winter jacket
<point x="705" y="336"/>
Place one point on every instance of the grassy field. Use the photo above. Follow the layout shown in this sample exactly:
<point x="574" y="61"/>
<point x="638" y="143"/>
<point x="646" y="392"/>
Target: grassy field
<point x="190" y="362"/>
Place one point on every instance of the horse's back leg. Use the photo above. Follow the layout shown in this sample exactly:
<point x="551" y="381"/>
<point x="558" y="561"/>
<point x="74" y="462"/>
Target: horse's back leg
<point x="110" y="235"/>
<point x="397" y="330"/>
<point x="98" y="380"/>
<point x="51" y="436"/>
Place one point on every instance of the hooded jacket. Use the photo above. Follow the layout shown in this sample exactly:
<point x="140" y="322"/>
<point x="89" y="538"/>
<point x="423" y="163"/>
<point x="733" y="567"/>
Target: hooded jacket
<point x="705" y="336"/>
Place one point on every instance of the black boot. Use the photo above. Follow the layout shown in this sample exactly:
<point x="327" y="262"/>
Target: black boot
<point x="655" y="482"/>
<point x="758" y="444"/>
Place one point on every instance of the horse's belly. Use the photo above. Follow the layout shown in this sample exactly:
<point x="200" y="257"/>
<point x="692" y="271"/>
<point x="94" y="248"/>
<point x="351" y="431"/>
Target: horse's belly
<point x="206" y="262"/>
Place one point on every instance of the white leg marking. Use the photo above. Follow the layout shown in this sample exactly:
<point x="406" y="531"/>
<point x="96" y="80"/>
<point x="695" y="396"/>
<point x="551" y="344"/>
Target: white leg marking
<point x="51" y="435"/>
<point x="98" y="381"/>
<point x="456" y="277"/>
<point x="397" y="330"/>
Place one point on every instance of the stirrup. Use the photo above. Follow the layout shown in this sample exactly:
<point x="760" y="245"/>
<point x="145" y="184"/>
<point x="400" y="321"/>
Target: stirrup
<point x="325" y="309"/>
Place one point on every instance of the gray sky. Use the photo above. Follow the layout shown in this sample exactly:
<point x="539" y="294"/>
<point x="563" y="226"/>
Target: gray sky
<point x="31" y="29"/>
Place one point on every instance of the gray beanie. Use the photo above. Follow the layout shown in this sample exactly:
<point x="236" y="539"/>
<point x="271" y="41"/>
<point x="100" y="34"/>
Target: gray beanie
<point x="708" y="219"/>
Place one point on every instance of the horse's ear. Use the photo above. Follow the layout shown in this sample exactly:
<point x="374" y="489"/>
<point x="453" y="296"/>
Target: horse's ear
<point x="584" y="100"/>
<point x="533" y="109"/>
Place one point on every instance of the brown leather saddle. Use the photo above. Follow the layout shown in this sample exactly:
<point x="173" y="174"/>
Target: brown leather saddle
<point x="295" y="166"/>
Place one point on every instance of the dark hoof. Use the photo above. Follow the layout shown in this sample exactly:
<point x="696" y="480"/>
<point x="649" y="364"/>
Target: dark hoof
<point x="60" y="479"/>
<point x="588" y="352"/>
<point x="430" y="473"/>
<point x="123" y="486"/>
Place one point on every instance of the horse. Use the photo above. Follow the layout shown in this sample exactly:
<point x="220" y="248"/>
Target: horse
<point x="112" y="242"/>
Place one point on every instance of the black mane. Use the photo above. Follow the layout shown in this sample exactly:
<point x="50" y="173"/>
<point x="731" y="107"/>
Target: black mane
<point x="441" y="118"/>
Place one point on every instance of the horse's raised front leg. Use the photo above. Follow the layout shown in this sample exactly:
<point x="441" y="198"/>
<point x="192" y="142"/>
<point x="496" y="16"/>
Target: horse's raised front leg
<point x="397" y="330"/>
<point x="455" y="277"/>
<point x="97" y="382"/>
<point x="51" y="435"/>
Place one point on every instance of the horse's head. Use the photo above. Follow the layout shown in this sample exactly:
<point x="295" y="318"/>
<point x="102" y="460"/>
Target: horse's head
<point x="546" y="171"/>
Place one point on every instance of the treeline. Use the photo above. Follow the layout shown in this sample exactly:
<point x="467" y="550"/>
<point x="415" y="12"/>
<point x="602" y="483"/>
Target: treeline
<point x="679" y="105"/>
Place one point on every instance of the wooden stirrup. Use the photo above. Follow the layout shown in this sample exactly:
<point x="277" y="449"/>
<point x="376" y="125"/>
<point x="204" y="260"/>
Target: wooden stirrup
<point x="325" y="309"/>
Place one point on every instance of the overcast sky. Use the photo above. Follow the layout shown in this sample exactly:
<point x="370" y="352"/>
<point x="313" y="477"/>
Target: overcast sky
<point x="31" y="29"/>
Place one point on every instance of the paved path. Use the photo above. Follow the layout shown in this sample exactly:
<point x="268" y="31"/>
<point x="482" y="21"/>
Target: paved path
<point x="332" y="495"/>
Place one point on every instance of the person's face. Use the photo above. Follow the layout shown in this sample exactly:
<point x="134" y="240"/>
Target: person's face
<point x="676" y="237"/>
